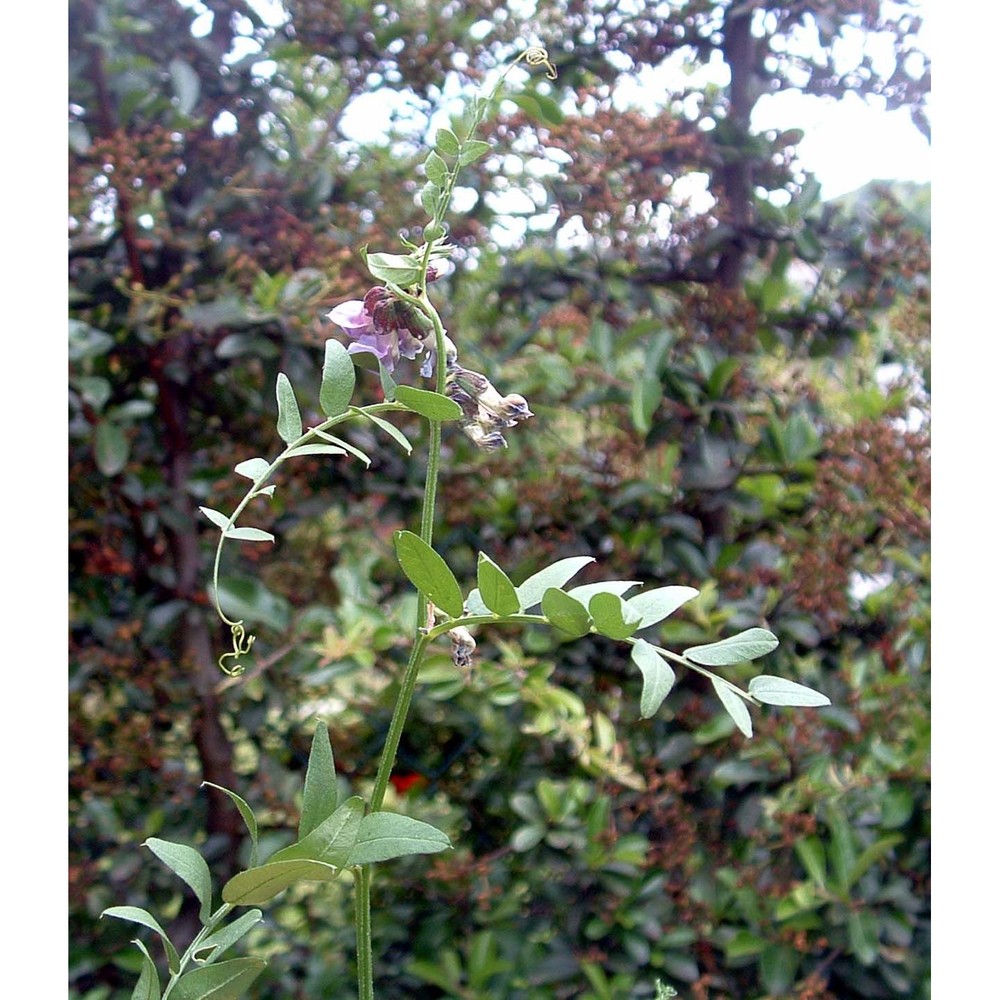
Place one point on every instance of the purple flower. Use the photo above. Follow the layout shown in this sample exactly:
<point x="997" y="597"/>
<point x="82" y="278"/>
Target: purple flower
<point x="380" y="325"/>
<point x="352" y="317"/>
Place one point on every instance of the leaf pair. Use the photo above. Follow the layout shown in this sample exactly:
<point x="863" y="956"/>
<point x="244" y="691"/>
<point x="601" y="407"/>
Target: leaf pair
<point x="601" y="607"/>
<point x="223" y="981"/>
<point x="765" y="689"/>
<point x="219" y="981"/>
<point x="332" y="836"/>
<point x="335" y="391"/>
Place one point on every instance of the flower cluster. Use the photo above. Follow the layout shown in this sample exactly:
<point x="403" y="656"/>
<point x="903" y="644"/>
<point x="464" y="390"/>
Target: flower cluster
<point x="382" y="325"/>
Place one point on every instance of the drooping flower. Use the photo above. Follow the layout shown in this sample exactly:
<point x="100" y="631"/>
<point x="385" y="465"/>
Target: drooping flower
<point x="485" y="413"/>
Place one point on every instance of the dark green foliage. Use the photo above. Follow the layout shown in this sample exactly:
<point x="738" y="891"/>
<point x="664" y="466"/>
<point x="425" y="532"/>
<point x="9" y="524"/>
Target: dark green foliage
<point x="708" y="414"/>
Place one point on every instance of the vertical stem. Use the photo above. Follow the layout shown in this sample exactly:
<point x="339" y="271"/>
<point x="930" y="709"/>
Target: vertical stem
<point x="363" y="875"/>
<point x="363" y="932"/>
<point x="406" y="689"/>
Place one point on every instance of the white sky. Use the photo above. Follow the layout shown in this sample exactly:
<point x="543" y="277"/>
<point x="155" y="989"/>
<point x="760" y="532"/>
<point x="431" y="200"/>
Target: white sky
<point x="848" y="143"/>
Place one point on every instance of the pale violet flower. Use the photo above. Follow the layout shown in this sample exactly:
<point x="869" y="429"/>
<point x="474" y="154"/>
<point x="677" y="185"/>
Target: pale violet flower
<point x="380" y="325"/>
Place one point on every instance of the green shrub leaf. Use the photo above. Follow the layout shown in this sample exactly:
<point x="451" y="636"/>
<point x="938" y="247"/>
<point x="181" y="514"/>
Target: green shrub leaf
<point x="247" y="598"/>
<point x="263" y="883"/>
<point x="657" y="677"/>
<point x="246" y="812"/>
<point x="320" y="794"/>
<point x="495" y="588"/>
<point x="870" y="855"/>
<point x="111" y="447"/>
<point x="777" y="691"/>
<point x="611" y="616"/>
<point x="337" y="384"/>
<point x="540" y="107"/>
<point x="746" y="645"/>
<point x="566" y="613"/>
<point x="189" y="865"/>
<point x="331" y="841"/>
<point x="186" y="85"/>
<point x="862" y="933"/>
<point x="289" y="420"/>
<point x="743" y="944"/>
<point x="139" y="916"/>
<point x="778" y="966"/>
<point x="428" y="572"/>
<point x="532" y="590"/>
<point x="226" y="936"/>
<point x="734" y="705"/>
<point x="813" y="857"/>
<point x="647" y="394"/>
<point x="428" y="404"/>
<point x="655" y="605"/>
<point x="224" y="981"/>
<point x="386" y="835"/>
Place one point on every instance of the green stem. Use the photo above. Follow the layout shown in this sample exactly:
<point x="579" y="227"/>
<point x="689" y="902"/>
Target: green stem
<point x="406" y="689"/>
<point x="425" y="618"/>
<point x="363" y="932"/>
<point x="366" y="985"/>
<point x="213" y="921"/>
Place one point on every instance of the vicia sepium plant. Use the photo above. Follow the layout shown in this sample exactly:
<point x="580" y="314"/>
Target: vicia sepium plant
<point x="397" y="321"/>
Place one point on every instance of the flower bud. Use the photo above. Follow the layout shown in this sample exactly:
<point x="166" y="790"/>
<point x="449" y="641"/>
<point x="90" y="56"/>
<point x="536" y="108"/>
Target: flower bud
<point x="514" y="408"/>
<point x="462" y="647"/>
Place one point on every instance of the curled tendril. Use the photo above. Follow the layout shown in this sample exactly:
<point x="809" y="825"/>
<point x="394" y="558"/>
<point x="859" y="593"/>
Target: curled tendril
<point x="241" y="646"/>
<point x="537" y="56"/>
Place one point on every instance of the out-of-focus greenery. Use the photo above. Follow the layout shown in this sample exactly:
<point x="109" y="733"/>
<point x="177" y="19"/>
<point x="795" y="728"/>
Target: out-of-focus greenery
<point x="732" y="396"/>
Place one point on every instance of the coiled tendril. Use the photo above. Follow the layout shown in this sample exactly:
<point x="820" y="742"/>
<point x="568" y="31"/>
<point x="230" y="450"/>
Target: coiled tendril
<point x="241" y="646"/>
<point x="535" y="55"/>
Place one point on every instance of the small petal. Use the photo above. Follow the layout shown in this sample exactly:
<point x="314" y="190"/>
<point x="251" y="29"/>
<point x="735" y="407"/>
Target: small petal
<point x="351" y="316"/>
<point x="409" y="346"/>
<point x="484" y="440"/>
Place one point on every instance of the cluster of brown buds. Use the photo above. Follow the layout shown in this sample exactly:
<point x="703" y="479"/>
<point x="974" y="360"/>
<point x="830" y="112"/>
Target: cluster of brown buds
<point x="485" y="413"/>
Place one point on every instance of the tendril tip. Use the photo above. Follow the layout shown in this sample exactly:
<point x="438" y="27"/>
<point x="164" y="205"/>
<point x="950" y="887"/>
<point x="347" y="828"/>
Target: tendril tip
<point x="241" y="646"/>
